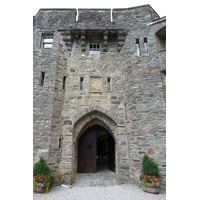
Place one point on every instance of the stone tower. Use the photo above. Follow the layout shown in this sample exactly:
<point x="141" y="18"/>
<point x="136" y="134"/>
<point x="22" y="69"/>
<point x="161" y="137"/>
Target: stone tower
<point x="99" y="70"/>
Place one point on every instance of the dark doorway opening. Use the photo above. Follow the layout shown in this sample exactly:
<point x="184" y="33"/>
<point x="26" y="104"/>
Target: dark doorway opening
<point x="96" y="151"/>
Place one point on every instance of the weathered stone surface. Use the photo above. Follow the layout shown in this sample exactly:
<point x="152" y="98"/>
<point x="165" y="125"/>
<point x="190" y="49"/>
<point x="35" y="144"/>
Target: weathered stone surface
<point x="129" y="102"/>
<point x="72" y="69"/>
<point x="68" y="122"/>
<point x="151" y="151"/>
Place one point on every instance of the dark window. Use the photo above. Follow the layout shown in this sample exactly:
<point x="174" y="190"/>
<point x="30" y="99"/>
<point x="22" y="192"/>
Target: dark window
<point x="108" y="82"/>
<point x="60" y="143"/>
<point x="64" y="81"/>
<point x="94" y="48"/>
<point x="81" y="83"/>
<point x="138" y="47"/>
<point x="42" y="79"/>
<point x="161" y="39"/>
<point x="146" y="47"/>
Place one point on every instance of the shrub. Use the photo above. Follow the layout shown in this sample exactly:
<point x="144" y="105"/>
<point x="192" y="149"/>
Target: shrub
<point x="41" y="167"/>
<point x="149" y="166"/>
<point x="42" y="174"/>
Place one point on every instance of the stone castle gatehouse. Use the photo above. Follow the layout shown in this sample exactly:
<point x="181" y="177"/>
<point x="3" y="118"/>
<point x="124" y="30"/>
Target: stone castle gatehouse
<point x="99" y="74"/>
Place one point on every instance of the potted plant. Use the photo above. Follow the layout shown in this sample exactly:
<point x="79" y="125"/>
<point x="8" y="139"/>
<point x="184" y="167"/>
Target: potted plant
<point x="41" y="177"/>
<point x="150" y="176"/>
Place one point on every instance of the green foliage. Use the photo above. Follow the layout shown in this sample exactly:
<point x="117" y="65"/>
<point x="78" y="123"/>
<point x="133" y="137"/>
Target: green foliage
<point x="47" y="187"/>
<point x="34" y="184"/>
<point x="42" y="174"/>
<point x="144" y="183"/>
<point x="149" y="166"/>
<point x="41" y="167"/>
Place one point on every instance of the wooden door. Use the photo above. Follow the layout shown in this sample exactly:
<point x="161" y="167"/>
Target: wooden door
<point x="87" y="152"/>
<point x="111" y="153"/>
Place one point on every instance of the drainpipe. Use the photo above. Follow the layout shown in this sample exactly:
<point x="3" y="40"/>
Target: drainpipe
<point x="76" y="14"/>
<point x="111" y="17"/>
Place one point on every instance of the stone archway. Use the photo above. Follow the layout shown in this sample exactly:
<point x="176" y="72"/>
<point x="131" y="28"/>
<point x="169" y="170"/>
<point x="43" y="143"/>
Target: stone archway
<point x="76" y="127"/>
<point x="93" y="118"/>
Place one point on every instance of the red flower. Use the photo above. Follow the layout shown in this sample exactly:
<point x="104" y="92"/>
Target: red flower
<point x="154" y="177"/>
<point x="143" y="176"/>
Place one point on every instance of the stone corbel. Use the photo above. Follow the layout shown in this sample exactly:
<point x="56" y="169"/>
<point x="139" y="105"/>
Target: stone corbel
<point x="105" y="40"/>
<point x="67" y="38"/>
<point x="121" y="39"/>
<point x="83" y="43"/>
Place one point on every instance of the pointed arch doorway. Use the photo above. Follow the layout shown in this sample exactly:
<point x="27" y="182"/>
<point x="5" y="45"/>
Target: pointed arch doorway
<point x="96" y="150"/>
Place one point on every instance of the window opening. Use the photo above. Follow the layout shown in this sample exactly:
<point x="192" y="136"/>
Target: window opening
<point x="94" y="48"/>
<point x="60" y="143"/>
<point x="161" y="39"/>
<point x="138" y="47"/>
<point x="81" y="83"/>
<point x="47" y="41"/>
<point x="108" y="82"/>
<point x="42" y="79"/>
<point x="64" y="81"/>
<point x="146" y="47"/>
<point x="125" y="110"/>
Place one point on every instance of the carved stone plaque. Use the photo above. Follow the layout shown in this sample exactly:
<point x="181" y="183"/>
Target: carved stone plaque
<point x="95" y="84"/>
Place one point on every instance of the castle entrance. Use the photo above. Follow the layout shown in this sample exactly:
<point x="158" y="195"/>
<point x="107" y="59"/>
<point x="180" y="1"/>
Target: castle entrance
<point x="109" y="165"/>
<point x="96" y="150"/>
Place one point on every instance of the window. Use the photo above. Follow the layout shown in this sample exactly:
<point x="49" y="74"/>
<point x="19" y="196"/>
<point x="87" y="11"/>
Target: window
<point x="138" y="47"/>
<point x="81" y="83"/>
<point x="146" y="47"/>
<point x="94" y="48"/>
<point x="108" y="83"/>
<point x="60" y="142"/>
<point x="64" y="80"/>
<point x="47" y="41"/>
<point x="161" y="39"/>
<point x="42" y="79"/>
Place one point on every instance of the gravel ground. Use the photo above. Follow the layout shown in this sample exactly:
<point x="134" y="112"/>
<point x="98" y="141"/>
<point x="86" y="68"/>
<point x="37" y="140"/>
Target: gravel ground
<point x="119" y="192"/>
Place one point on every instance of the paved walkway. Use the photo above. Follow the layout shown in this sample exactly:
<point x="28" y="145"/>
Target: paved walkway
<point x="103" y="177"/>
<point x="117" y="192"/>
<point x="98" y="186"/>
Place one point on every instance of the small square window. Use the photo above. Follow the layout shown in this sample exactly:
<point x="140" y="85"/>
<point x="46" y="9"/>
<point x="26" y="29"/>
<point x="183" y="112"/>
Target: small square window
<point x="47" y="41"/>
<point x="94" y="48"/>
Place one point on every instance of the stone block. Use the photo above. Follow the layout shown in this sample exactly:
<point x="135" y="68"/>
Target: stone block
<point x="68" y="122"/>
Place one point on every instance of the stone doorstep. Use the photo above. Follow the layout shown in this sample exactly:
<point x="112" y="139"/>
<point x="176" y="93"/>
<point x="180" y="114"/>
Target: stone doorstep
<point x="101" y="178"/>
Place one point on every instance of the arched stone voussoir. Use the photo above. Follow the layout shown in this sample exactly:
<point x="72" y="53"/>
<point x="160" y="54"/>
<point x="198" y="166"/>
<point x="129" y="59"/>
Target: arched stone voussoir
<point x="94" y="115"/>
<point x="94" y="109"/>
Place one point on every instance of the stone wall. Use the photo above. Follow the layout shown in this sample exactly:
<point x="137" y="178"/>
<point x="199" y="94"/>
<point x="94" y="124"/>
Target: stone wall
<point x="145" y="101"/>
<point x="132" y="110"/>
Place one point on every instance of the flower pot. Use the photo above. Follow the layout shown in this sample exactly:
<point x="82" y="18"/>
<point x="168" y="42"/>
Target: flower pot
<point x="40" y="188"/>
<point x="150" y="188"/>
